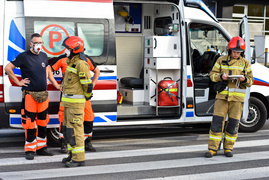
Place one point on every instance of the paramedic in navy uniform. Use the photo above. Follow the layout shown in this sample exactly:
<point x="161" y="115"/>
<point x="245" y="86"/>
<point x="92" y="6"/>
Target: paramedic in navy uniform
<point x="33" y="65"/>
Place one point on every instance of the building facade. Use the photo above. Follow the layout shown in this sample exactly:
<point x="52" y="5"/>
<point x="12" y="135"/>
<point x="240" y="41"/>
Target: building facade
<point x="229" y="13"/>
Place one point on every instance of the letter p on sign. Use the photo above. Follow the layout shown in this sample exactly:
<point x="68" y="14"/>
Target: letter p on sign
<point x="52" y="39"/>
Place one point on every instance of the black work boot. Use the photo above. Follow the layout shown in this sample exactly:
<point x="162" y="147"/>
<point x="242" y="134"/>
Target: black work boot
<point x="88" y="145"/>
<point x="228" y="153"/>
<point x="210" y="153"/>
<point x="65" y="160"/>
<point x="63" y="146"/>
<point x="73" y="163"/>
<point x="44" y="152"/>
<point x="29" y="155"/>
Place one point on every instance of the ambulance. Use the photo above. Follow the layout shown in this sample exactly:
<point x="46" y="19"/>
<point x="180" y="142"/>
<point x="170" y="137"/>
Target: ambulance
<point x="154" y="57"/>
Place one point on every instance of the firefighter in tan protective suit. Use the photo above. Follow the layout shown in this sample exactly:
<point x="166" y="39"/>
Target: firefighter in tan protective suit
<point x="230" y="100"/>
<point x="77" y="88"/>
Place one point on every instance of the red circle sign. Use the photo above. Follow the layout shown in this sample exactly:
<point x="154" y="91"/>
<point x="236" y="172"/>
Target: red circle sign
<point x="53" y="25"/>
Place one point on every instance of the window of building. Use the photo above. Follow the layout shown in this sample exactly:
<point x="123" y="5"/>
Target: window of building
<point x="239" y="9"/>
<point x="255" y="10"/>
<point x="256" y="17"/>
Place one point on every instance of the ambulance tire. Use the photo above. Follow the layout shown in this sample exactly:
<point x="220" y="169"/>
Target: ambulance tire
<point x="256" y="117"/>
<point x="53" y="137"/>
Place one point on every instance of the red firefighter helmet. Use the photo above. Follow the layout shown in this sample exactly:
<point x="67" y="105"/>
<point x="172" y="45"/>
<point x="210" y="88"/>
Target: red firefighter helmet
<point x="75" y="43"/>
<point x="237" y="44"/>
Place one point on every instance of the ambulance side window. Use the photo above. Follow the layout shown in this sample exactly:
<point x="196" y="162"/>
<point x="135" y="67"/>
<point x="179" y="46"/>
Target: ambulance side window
<point x="93" y="35"/>
<point x="207" y="44"/>
<point x="206" y="37"/>
<point x="53" y="33"/>
<point x="98" y="39"/>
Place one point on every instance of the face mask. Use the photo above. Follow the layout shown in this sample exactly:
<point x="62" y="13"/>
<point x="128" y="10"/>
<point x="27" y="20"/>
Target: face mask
<point x="67" y="52"/>
<point x="37" y="48"/>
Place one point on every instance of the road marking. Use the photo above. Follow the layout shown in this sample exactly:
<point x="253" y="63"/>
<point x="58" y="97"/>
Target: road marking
<point x="127" y="153"/>
<point x="251" y="173"/>
<point x="131" y="167"/>
<point x="114" y="143"/>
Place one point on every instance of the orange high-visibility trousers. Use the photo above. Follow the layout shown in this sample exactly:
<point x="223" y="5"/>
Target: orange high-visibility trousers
<point x="34" y="115"/>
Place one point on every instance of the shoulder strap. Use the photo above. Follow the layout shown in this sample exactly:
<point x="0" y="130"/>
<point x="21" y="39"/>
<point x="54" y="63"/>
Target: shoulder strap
<point x="244" y="70"/>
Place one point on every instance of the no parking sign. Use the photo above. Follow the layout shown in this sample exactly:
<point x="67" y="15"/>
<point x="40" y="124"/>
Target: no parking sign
<point x="53" y="36"/>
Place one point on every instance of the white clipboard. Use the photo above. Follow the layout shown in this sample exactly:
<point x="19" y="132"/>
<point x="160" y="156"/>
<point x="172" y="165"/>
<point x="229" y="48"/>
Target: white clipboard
<point x="235" y="76"/>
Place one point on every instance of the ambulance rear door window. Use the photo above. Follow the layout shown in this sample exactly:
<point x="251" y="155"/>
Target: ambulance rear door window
<point x="93" y="35"/>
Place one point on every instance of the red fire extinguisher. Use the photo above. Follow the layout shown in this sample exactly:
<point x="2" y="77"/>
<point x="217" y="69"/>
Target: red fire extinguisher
<point x="167" y="92"/>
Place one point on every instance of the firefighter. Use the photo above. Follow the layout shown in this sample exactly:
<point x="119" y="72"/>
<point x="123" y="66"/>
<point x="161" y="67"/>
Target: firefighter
<point x="77" y="88"/>
<point x="33" y="65"/>
<point x="230" y="100"/>
<point x="58" y="63"/>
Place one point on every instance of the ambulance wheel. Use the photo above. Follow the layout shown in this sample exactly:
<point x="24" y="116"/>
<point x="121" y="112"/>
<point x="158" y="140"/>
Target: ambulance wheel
<point x="53" y="137"/>
<point x="256" y="116"/>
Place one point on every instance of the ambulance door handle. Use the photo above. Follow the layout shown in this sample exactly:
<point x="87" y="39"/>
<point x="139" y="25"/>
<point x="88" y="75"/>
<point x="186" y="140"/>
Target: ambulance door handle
<point x="107" y="71"/>
<point x="155" y="43"/>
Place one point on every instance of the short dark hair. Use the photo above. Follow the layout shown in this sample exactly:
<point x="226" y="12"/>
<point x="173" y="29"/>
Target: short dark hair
<point x="35" y="35"/>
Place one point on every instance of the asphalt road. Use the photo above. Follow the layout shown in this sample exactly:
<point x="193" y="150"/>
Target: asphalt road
<point x="147" y="152"/>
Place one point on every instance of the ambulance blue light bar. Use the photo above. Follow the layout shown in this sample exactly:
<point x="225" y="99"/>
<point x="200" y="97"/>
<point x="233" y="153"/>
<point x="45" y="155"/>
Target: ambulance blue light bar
<point x="201" y="5"/>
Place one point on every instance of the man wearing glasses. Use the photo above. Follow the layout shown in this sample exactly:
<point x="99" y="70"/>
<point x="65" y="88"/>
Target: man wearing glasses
<point x="33" y="65"/>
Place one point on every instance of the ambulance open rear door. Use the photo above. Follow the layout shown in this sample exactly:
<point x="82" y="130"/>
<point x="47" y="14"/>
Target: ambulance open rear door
<point x="244" y="33"/>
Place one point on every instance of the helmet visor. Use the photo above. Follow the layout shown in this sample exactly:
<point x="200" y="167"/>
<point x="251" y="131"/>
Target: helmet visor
<point x="237" y="49"/>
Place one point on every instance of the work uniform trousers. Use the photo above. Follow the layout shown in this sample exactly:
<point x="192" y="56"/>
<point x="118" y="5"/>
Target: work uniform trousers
<point x="73" y="131"/>
<point x="221" y="109"/>
<point x="88" y="120"/>
<point x="35" y="131"/>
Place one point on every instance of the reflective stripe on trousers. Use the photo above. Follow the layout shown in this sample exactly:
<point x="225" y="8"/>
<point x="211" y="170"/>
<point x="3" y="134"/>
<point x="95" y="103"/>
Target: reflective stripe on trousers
<point x="221" y="109"/>
<point x="73" y="120"/>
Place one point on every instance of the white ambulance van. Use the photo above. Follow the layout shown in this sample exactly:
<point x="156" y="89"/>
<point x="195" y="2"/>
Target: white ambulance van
<point x="139" y="47"/>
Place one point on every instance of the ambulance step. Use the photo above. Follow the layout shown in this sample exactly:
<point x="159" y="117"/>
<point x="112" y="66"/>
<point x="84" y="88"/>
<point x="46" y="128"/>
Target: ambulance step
<point x="127" y="110"/>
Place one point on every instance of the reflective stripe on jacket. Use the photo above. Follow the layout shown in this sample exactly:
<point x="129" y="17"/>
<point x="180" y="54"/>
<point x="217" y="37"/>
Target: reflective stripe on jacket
<point x="76" y="81"/>
<point x="229" y="66"/>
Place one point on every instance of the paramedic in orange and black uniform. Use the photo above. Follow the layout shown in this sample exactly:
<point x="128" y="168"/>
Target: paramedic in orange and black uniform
<point x="58" y="63"/>
<point x="33" y="65"/>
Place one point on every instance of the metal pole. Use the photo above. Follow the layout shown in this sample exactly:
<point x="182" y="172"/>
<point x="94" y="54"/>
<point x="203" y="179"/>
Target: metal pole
<point x="265" y="59"/>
